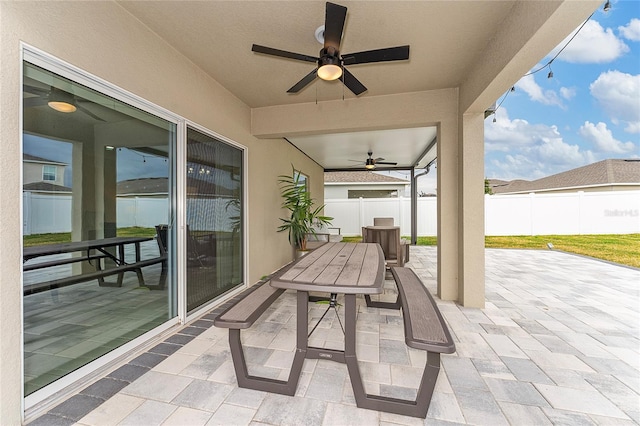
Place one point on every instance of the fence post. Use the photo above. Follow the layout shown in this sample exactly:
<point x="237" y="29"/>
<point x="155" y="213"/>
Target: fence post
<point x="360" y="214"/>
<point x="400" y="213"/>
<point x="26" y="213"/>
<point x="532" y="200"/>
<point x="580" y="201"/>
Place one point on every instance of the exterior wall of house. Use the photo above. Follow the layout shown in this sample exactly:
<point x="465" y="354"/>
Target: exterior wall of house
<point x="341" y="191"/>
<point x="33" y="172"/>
<point x="106" y="41"/>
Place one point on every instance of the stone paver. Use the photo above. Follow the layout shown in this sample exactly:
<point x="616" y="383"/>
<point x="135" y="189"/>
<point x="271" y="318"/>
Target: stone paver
<point x="557" y="343"/>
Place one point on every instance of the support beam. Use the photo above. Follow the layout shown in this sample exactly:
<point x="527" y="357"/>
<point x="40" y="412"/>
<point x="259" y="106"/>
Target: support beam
<point x="471" y="279"/>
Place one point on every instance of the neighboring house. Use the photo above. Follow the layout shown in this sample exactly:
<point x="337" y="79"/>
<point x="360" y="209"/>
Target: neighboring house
<point x="605" y="175"/>
<point x="38" y="170"/>
<point x="342" y="185"/>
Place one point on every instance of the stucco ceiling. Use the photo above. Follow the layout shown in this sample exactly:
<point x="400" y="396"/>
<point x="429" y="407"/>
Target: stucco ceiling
<point x="446" y="38"/>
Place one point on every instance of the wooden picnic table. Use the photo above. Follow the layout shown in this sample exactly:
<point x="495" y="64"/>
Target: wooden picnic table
<point x="335" y="268"/>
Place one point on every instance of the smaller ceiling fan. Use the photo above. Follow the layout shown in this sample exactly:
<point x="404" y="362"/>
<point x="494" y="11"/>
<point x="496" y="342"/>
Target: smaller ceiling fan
<point x="371" y="162"/>
<point x="58" y="100"/>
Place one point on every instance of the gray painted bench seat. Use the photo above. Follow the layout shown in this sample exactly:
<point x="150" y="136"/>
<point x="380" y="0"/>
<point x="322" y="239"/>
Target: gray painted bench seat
<point x="424" y="329"/>
<point x="241" y="315"/>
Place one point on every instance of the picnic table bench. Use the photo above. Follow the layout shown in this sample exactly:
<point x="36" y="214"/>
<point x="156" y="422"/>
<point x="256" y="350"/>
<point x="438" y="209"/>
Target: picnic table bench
<point x="94" y="251"/>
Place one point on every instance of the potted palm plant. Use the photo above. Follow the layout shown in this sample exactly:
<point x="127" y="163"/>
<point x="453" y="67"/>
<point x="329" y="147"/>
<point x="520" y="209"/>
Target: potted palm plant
<point x="303" y="216"/>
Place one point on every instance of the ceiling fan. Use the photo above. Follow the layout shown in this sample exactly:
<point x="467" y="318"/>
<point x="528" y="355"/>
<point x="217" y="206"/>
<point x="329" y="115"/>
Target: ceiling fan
<point x="331" y="64"/>
<point x="371" y="162"/>
<point x="58" y="99"/>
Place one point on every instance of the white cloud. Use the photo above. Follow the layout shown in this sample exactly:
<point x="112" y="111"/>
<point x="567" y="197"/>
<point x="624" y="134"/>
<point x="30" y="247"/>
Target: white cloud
<point x="568" y="92"/>
<point x="631" y="31"/>
<point x="618" y="94"/>
<point x="517" y="149"/>
<point x="530" y="87"/>
<point x="593" y="44"/>
<point x="603" y="139"/>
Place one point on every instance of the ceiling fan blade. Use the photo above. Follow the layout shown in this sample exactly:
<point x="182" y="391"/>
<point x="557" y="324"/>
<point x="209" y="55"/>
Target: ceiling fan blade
<point x="34" y="102"/>
<point x="352" y="83"/>
<point x="282" y="53"/>
<point x="333" y="25"/>
<point x="304" y="82"/>
<point x="399" y="53"/>
<point x="89" y="113"/>
<point x="386" y="162"/>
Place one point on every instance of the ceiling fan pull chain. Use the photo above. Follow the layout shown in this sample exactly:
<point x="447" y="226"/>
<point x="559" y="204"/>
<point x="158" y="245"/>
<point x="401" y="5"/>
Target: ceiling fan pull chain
<point x="343" y="82"/>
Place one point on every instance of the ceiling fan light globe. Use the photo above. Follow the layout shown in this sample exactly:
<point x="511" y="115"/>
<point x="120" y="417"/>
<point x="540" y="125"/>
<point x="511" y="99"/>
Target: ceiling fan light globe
<point x="330" y="72"/>
<point x="370" y="164"/>
<point x="62" y="106"/>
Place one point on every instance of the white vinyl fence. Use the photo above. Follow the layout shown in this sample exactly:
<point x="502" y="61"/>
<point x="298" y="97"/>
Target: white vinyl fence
<point x="614" y="212"/>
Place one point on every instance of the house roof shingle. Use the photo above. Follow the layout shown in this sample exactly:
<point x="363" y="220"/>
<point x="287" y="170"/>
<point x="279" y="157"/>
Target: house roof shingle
<point x="360" y="177"/>
<point x="605" y="172"/>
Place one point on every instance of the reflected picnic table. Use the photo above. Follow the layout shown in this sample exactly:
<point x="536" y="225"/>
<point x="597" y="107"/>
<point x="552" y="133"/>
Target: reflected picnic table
<point x="93" y="252"/>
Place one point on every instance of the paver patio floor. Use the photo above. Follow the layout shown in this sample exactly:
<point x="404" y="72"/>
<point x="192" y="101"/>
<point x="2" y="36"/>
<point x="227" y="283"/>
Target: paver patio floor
<point x="557" y="343"/>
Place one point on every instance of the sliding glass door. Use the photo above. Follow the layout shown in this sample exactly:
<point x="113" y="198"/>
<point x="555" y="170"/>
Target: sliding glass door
<point x="214" y="218"/>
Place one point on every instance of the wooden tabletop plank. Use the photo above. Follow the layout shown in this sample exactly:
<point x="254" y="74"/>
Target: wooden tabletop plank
<point x="350" y="274"/>
<point x="346" y="268"/>
<point x="335" y="268"/>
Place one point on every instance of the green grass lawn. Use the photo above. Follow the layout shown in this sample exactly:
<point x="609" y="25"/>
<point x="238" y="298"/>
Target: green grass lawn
<point x="623" y="249"/>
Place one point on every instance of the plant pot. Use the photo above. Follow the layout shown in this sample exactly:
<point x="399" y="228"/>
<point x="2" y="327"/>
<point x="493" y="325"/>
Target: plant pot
<point x="299" y="253"/>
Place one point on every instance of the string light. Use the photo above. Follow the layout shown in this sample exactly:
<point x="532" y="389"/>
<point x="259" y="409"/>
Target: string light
<point x="607" y="7"/>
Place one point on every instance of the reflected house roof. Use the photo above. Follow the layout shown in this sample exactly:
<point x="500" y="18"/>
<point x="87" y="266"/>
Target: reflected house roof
<point x="603" y="173"/>
<point x="160" y="185"/>
<point x="45" y="187"/>
<point x="35" y="159"/>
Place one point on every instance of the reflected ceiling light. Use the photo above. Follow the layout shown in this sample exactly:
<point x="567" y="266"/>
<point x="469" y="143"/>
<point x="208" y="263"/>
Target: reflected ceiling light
<point x="329" y="67"/>
<point x="61" y="101"/>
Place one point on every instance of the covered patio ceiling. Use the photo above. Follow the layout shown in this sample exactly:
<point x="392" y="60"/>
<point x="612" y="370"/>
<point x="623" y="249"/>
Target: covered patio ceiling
<point x="450" y="41"/>
<point x="446" y="39"/>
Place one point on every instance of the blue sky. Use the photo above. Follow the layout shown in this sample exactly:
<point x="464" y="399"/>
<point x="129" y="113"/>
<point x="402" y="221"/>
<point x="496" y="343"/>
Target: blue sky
<point x="589" y="111"/>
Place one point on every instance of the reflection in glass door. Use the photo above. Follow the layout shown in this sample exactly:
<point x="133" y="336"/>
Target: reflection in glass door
<point x="97" y="180"/>
<point x="214" y="218"/>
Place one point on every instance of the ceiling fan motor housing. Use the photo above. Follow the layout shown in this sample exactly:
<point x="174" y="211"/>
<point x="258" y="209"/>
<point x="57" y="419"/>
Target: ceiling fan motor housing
<point x="329" y="56"/>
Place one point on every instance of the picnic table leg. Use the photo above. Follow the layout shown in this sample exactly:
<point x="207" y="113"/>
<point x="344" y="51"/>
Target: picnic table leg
<point x="350" y="313"/>
<point x="246" y="380"/>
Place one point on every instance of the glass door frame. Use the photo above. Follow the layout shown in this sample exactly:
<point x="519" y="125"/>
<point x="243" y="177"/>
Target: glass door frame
<point x="182" y="220"/>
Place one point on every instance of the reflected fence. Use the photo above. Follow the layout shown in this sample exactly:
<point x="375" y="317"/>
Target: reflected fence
<point x="610" y="212"/>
